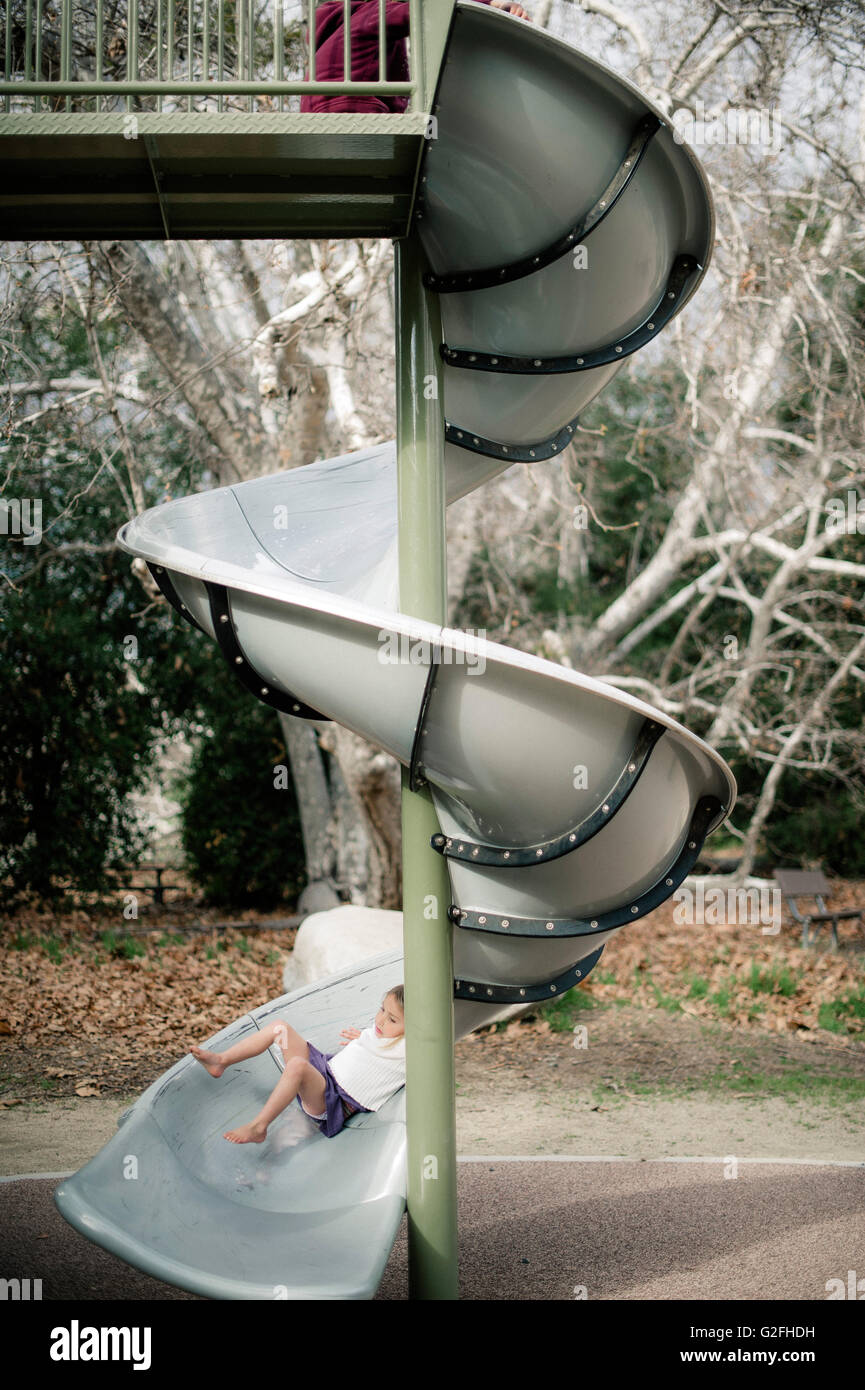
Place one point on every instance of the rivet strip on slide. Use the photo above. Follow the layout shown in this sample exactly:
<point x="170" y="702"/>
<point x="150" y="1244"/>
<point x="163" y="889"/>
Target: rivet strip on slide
<point x="168" y="591"/>
<point x="526" y="994"/>
<point x="510" y="857"/>
<point x="461" y="281"/>
<point x="477" y="919"/>
<point x="514" y="453"/>
<point x="684" y="268"/>
<point x="226" y="636"/>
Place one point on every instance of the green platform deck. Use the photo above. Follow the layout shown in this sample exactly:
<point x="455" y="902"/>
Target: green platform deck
<point x="151" y="175"/>
<point x="170" y="121"/>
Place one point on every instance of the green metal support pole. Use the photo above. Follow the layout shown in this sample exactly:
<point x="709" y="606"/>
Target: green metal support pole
<point x="430" y="1091"/>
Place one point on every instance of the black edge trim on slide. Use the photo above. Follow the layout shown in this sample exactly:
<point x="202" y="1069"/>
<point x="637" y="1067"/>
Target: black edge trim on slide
<point x="521" y="856"/>
<point x="415" y="776"/>
<point x="226" y="636"/>
<point x="515" y="453"/>
<point x="526" y="994"/>
<point x="479" y="920"/>
<point x="469" y="280"/>
<point x="162" y="577"/>
<point x="684" y="268"/>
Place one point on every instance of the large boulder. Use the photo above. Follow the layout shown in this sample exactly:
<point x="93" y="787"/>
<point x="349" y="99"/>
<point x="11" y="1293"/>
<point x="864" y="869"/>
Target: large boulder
<point x="328" y="943"/>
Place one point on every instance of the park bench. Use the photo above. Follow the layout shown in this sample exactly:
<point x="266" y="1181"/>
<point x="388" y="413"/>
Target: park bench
<point x="158" y="889"/>
<point x="796" y="884"/>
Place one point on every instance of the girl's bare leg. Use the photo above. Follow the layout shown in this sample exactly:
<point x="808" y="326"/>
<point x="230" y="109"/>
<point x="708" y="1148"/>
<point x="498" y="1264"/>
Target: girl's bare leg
<point x="299" y="1078"/>
<point x="290" y="1041"/>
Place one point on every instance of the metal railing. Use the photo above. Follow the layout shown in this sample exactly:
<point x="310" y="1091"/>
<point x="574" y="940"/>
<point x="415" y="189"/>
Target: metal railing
<point x="184" y="55"/>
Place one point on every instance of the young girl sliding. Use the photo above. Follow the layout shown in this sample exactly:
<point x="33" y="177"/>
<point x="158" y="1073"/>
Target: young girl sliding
<point x="328" y="1086"/>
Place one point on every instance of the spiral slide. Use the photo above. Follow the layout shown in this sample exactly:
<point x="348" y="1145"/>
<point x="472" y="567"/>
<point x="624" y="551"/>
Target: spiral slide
<point x="563" y="227"/>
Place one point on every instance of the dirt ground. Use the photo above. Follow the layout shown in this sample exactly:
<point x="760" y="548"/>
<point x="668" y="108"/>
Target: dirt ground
<point x="687" y="1043"/>
<point x="647" y="1084"/>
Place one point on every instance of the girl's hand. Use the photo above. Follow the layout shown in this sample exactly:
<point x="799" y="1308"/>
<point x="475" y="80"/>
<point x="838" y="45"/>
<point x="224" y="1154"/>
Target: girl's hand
<point x="349" y="1034"/>
<point x="511" y="8"/>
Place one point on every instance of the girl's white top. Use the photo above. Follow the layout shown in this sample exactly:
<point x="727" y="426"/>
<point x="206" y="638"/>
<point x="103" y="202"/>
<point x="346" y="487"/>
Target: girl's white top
<point x="371" y="1069"/>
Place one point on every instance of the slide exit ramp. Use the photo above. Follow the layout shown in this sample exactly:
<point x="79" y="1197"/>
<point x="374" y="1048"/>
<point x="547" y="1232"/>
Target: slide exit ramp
<point x="298" y="1217"/>
<point x="564" y="228"/>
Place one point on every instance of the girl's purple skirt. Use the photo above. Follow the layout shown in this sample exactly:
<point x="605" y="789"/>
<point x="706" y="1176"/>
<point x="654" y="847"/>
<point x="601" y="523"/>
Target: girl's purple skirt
<point x="338" y="1104"/>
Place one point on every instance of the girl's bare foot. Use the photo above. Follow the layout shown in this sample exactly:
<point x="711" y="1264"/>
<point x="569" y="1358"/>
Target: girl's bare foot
<point x="252" y="1133"/>
<point x="210" y="1060"/>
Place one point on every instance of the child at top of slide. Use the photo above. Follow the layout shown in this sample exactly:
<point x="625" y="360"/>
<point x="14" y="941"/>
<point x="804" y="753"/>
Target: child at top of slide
<point x="327" y="1086"/>
<point x="329" y="51"/>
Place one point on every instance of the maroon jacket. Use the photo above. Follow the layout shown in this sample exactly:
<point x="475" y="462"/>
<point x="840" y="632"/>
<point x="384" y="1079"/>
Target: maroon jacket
<point x="329" y="42"/>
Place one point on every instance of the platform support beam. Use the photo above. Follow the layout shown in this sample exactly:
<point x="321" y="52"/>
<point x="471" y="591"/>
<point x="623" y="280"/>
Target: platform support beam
<point x="430" y="1090"/>
<point x="431" y="20"/>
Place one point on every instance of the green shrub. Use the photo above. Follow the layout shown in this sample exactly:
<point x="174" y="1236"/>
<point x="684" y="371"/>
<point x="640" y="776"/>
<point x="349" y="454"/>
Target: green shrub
<point x="241" y="832"/>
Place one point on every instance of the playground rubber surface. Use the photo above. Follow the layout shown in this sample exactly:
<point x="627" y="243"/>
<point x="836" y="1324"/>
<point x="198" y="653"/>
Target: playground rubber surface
<point x="596" y="1229"/>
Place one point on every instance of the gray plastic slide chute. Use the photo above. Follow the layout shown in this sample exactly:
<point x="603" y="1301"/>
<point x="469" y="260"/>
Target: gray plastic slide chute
<point x="564" y="227"/>
<point x="297" y="1217"/>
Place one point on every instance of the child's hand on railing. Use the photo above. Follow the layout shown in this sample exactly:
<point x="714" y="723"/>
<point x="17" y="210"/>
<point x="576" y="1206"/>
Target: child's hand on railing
<point x="511" y="8"/>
